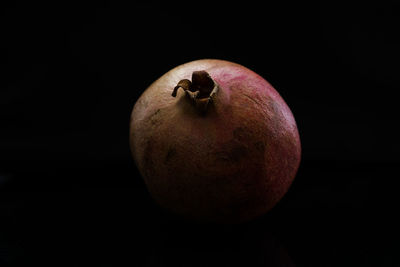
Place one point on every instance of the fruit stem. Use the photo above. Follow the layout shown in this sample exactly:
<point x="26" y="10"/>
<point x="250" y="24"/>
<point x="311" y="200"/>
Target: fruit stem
<point x="202" y="89"/>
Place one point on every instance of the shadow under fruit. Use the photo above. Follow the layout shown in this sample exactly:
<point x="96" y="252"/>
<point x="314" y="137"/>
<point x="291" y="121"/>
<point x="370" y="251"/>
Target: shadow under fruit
<point x="214" y="142"/>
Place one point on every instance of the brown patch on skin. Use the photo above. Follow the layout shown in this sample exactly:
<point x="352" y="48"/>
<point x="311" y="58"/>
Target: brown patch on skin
<point x="256" y="101"/>
<point x="241" y="134"/>
<point x="260" y="146"/>
<point x="237" y="153"/>
<point x="232" y="152"/>
<point x="170" y="155"/>
<point x="154" y="117"/>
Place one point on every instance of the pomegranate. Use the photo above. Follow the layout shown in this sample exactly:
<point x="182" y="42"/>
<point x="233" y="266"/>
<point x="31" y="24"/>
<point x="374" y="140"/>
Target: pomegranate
<point x="214" y="142"/>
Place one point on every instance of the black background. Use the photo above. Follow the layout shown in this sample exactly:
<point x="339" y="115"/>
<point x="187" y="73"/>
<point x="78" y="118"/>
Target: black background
<point x="70" y="194"/>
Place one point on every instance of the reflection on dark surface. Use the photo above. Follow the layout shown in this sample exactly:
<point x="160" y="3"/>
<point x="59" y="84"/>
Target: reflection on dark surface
<point x="217" y="246"/>
<point x="101" y="215"/>
<point x="83" y="215"/>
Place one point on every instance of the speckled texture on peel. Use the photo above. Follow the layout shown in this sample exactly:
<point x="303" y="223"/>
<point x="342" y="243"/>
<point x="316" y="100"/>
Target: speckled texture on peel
<point x="231" y="165"/>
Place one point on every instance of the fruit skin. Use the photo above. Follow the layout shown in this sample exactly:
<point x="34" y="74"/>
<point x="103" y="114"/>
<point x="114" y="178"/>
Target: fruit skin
<point x="230" y="165"/>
